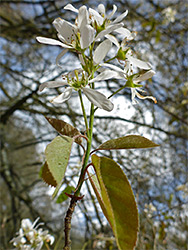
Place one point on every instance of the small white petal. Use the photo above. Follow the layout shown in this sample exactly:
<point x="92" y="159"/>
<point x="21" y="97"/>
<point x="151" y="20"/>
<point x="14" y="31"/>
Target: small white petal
<point x="123" y="31"/>
<point x="63" y="97"/>
<point x="96" y="16"/>
<point x="60" y="56"/>
<point x="52" y="84"/>
<point x="87" y="36"/>
<point x="35" y="222"/>
<point x="133" y="95"/>
<point x="101" y="9"/>
<point x="50" y="239"/>
<point x="113" y="39"/>
<point x="83" y="17"/>
<point x="120" y="18"/>
<point x="139" y="63"/>
<point x="114" y="67"/>
<point x="108" y="30"/>
<point x="137" y="94"/>
<point x="105" y="75"/>
<point x="26" y="224"/>
<point x="65" y="29"/>
<point x="49" y="41"/>
<point x="144" y="76"/>
<point x="113" y="12"/>
<point x="101" y="51"/>
<point x="98" y="99"/>
<point x="70" y="7"/>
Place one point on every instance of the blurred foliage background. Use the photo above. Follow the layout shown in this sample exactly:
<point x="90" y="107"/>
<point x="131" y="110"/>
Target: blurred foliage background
<point x="158" y="176"/>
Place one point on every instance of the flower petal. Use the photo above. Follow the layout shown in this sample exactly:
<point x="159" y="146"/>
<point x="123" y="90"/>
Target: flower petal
<point x="123" y="31"/>
<point x="95" y="16"/>
<point x="101" y="51"/>
<point x="70" y="7"/>
<point x="65" y="29"/>
<point x="113" y="12"/>
<point x="114" y="67"/>
<point x="98" y="99"/>
<point x="60" y="56"/>
<point x="87" y="36"/>
<point x="52" y="84"/>
<point x="139" y="63"/>
<point x="26" y="224"/>
<point x="49" y="41"/>
<point x="105" y="75"/>
<point x="144" y="76"/>
<point x="108" y="30"/>
<point x="101" y="9"/>
<point x="83" y="17"/>
<point x="113" y="39"/>
<point x="63" y="97"/>
<point x="120" y="18"/>
<point x="135" y="93"/>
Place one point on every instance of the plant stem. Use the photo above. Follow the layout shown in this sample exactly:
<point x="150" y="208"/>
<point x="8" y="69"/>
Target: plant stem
<point x="74" y="199"/>
<point x="83" y="110"/>
<point x="67" y="229"/>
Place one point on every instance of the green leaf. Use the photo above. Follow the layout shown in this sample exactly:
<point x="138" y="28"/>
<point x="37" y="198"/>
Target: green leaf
<point x="63" y="197"/>
<point x="57" y="157"/>
<point x="117" y="201"/>
<point x="65" y="129"/>
<point x="127" y="142"/>
<point x="46" y="175"/>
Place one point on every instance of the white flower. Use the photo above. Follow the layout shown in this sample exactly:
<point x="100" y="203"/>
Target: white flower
<point x="124" y="53"/>
<point x="77" y="80"/>
<point x="150" y="209"/>
<point x="72" y="36"/>
<point x="101" y="21"/>
<point x="169" y="14"/>
<point x="104" y="25"/>
<point x="29" y="234"/>
<point x="132" y="81"/>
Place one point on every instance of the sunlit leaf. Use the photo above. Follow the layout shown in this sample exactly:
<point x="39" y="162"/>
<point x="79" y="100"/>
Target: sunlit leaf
<point x="65" y="129"/>
<point x="63" y="197"/>
<point x="127" y="142"/>
<point x="117" y="201"/>
<point x="46" y="175"/>
<point x="57" y="157"/>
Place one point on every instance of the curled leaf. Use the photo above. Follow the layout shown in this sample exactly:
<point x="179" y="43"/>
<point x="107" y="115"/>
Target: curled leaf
<point x="65" y="129"/>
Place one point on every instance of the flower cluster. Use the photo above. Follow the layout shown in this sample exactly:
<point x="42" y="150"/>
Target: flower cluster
<point x="169" y="15"/>
<point x="30" y="238"/>
<point x="92" y="37"/>
<point x="150" y="209"/>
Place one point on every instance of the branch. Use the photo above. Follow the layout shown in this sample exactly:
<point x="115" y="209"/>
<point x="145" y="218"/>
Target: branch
<point x="68" y="218"/>
<point x="15" y="107"/>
